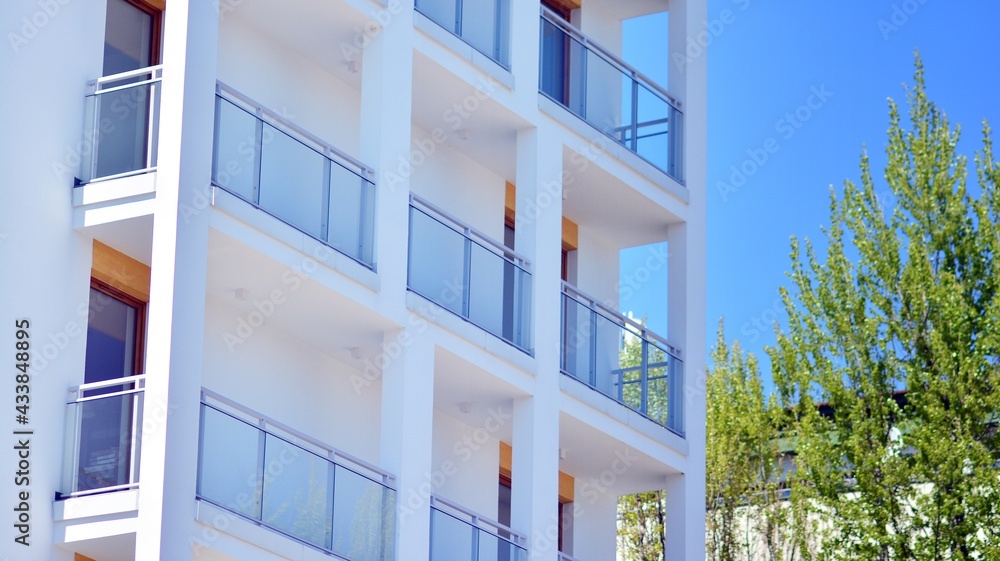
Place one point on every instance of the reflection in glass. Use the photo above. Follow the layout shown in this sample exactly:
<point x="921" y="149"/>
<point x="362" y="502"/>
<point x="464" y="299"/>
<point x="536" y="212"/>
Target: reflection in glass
<point x="229" y="462"/>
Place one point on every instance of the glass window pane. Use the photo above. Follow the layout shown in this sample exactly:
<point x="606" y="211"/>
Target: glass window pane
<point x="351" y="210"/>
<point x="111" y="333"/>
<point x="106" y="442"/>
<point x="297" y="492"/>
<point x="653" y="140"/>
<point x="229" y="462"/>
<point x="441" y="11"/>
<point x="484" y="24"/>
<point x="608" y="107"/>
<point x="235" y="146"/>
<point x="123" y="127"/>
<point x="486" y="291"/>
<point x="128" y="38"/>
<point x="656" y="398"/>
<point x="437" y="261"/>
<point x="554" y="53"/>
<point x="451" y="539"/>
<point x="608" y="354"/>
<point x="359" y="512"/>
<point x="291" y="181"/>
<point x="577" y="330"/>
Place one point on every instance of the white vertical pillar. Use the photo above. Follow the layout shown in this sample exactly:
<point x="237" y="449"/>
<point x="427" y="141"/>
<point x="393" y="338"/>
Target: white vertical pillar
<point x="407" y="437"/>
<point x="686" y="300"/>
<point x="595" y="532"/>
<point x="538" y="235"/>
<point x="167" y="475"/>
<point x="524" y="52"/>
<point x="386" y="93"/>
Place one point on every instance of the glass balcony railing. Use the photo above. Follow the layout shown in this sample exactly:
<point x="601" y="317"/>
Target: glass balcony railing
<point x="121" y="124"/>
<point x="293" y="176"/>
<point x="483" y="24"/>
<point x="460" y="535"/>
<point x="295" y="485"/>
<point x="613" y="97"/>
<point x="103" y="424"/>
<point x="622" y="359"/>
<point x="469" y="274"/>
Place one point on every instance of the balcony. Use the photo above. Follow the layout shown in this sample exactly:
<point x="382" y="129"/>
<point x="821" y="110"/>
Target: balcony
<point x="471" y="275"/>
<point x="121" y="124"/>
<point x="616" y="99"/>
<point x="483" y="24"/>
<point x="293" y="176"/>
<point x="621" y="359"/>
<point x="459" y="535"/>
<point x="103" y="424"/>
<point x="280" y="479"/>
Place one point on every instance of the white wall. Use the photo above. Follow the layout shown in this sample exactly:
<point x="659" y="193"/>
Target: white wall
<point x="595" y="523"/>
<point x="281" y="79"/>
<point x="459" y="185"/>
<point x="293" y="383"/>
<point x="45" y="268"/>
<point x="475" y="454"/>
<point x="597" y="267"/>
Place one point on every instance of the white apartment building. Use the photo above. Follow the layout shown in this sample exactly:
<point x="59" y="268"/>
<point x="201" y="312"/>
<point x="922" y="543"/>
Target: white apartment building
<point x="312" y="279"/>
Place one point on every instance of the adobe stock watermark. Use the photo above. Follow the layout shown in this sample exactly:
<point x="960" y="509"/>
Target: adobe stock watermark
<point x="591" y="490"/>
<point x="462" y="451"/>
<point x="423" y="148"/>
<point x="263" y="308"/>
<point x="697" y="45"/>
<point x="899" y="16"/>
<point x="753" y="328"/>
<point x="786" y="128"/>
<point x="246" y="500"/>
<point x="417" y="323"/>
<point x="33" y="24"/>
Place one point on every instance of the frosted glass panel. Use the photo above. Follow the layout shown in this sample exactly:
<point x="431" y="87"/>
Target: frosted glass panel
<point x="229" y="463"/>
<point x="291" y="181"/>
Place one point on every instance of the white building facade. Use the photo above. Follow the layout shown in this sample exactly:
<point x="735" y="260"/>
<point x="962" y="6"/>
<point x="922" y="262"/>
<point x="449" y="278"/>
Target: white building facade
<point x="340" y="279"/>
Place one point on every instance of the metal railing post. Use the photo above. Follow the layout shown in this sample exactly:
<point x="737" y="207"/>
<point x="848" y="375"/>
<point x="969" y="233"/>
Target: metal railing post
<point x="258" y="155"/>
<point x="324" y="225"/>
<point x="644" y="376"/>
<point x="635" y="113"/>
<point x="466" y="274"/>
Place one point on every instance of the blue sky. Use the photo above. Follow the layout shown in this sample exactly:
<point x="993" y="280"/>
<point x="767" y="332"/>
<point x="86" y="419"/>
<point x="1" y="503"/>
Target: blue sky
<point x="810" y="81"/>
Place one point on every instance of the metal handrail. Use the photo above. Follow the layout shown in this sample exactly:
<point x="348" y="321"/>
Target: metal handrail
<point x="95" y="85"/>
<point x="76" y="392"/>
<point x="477" y="520"/>
<point x="617" y="317"/>
<point x="261" y="112"/>
<point x="612" y="58"/>
<point x="469" y="232"/>
<point x="388" y="480"/>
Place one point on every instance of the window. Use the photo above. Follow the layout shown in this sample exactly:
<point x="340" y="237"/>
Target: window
<point x="115" y="328"/>
<point x="131" y="36"/>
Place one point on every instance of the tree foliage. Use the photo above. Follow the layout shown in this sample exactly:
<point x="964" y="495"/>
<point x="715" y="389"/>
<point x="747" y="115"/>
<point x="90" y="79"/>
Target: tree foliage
<point x="905" y="299"/>
<point x="744" y="515"/>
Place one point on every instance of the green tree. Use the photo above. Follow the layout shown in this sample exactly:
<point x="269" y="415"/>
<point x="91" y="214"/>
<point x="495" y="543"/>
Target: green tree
<point x="905" y="299"/>
<point x="745" y="517"/>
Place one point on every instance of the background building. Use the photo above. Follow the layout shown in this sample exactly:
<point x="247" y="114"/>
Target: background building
<point x="310" y="277"/>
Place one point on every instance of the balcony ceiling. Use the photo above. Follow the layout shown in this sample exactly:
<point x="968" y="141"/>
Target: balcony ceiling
<point x="313" y="313"/>
<point x="484" y="130"/>
<point x="457" y="381"/>
<point x="317" y="29"/>
<point x="595" y="456"/>
<point x="617" y="212"/>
